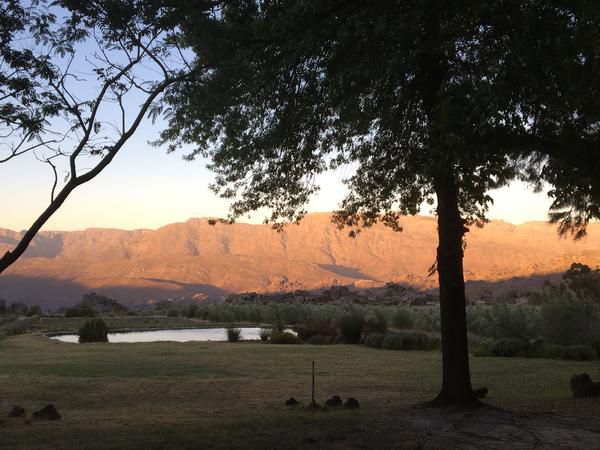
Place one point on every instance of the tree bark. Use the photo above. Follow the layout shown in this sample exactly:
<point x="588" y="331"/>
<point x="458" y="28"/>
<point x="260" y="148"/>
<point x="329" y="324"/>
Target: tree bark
<point x="456" y="379"/>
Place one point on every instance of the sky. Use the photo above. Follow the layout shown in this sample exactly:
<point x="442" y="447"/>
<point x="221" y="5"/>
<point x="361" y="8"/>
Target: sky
<point x="144" y="187"/>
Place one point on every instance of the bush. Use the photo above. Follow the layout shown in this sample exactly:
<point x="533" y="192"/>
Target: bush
<point x="318" y="327"/>
<point x="409" y="341"/>
<point x="510" y="347"/>
<point x="403" y="319"/>
<point x="284" y="337"/>
<point x="319" y="339"/>
<point x="374" y="340"/>
<point x="351" y="327"/>
<point x="427" y="319"/>
<point x="570" y="352"/>
<point x="173" y="313"/>
<point x="567" y="320"/>
<point x="504" y="321"/>
<point x="19" y="326"/>
<point x="264" y="334"/>
<point x="233" y="334"/>
<point x="377" y="323"/>
<point x="94" y="330"/>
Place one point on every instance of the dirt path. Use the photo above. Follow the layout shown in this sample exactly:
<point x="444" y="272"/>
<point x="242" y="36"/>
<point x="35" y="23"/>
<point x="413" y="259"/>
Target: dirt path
<point x="484" y="428"/>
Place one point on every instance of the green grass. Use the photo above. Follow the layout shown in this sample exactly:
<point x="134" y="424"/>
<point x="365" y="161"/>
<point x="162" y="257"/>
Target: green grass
<point x="222" y="395"/>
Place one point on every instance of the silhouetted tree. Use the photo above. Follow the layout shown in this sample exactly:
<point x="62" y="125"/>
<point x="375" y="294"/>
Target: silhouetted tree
<point x="76" y="80"/>
<point x="429" y="101"/>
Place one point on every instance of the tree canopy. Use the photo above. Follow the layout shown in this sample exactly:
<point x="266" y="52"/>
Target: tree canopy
<point x="76" y="80"/>
<point x="427" y="101"/>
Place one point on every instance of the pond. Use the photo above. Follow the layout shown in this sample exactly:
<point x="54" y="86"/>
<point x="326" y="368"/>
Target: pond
<point x="186" y="335"/>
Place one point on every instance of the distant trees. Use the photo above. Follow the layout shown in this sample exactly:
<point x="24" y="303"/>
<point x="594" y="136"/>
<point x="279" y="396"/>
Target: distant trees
<point x="93" y="304"/>
<point x="429" y="101"/>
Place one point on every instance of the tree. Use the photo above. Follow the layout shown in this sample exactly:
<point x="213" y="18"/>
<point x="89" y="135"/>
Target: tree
<point x="428" y="101"/>
<point x="76" y="80"/>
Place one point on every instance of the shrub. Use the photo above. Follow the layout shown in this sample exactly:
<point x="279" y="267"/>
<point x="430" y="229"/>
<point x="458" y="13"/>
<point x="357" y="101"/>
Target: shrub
<point x="427" y="319"/>
<point x="409" y="341"/>
<point x="510" y="347"/>
<point x="233" y="334"/>
<point x="173" y="313"/>
<point x="504" y="321"/>
<point x="94" y="330"/>
<point x="284" y="337"/>
<point x="377" y="323"/>
<point x="570" y="352"/>
<point x="568" y="320"/>
<point x="351" y="327"/>
<point x="374" y="340"/>
<point x="319" y="327"/>
<point x="403" y="319"/>
<point x="19" y="326"/>
<point x="319" y="339"/>
<point x="264" y="334"/>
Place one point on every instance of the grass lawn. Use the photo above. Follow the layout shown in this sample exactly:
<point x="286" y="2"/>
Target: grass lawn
<point x="222" y="395"/>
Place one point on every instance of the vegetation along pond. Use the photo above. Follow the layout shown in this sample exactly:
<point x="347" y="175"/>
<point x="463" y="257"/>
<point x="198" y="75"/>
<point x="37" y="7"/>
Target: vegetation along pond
<point x="186" y="335"/>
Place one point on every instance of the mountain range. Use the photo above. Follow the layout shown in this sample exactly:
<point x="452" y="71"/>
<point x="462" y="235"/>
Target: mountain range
<point x="195" y="260"/>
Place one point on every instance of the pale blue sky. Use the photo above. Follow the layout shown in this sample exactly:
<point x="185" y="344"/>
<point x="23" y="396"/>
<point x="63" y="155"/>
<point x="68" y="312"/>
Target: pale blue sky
<point x="146" y="188"/>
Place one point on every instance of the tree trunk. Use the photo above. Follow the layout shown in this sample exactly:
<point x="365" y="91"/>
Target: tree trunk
<point x="456" y="384"/>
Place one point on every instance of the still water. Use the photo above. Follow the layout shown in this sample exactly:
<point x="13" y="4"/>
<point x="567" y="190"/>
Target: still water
<point x="196" y="334"/>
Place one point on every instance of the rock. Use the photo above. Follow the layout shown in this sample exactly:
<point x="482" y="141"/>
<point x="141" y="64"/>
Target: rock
<point x="481" y="392"/>
<point x="292" y="402"/>
<point x="16" y="411"/>
<point x="351" y="403"/>
<point x="48" y="412"/>
<point x="334" y="402"/>
<point x="583" y="386"/>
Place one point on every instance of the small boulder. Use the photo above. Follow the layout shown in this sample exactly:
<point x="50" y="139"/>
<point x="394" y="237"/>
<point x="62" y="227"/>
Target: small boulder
<point x="351" y="403"/>
<point x="292" y="402"/>
<point x="48" y="412"/>
<point x="481" y="392"/>
<point x="583" y="386"/>
<point x="334" y="402"/>
<point x="16" y="411"/>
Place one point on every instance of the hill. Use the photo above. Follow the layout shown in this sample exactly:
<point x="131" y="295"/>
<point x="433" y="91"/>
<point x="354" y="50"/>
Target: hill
<point x="196" y="260"/>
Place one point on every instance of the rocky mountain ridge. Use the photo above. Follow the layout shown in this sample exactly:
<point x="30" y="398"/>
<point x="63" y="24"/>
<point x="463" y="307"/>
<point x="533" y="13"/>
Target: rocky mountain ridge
<point x="196" y="260"/>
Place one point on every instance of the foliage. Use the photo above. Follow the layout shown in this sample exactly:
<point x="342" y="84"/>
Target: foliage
<point x="567" y="319"/>
<point x="376" y="322"/>
<point x="583" y="281"/>
<point x="504" y="321"/>
<point x="93" y="330"/>
<point x="34" y="310"/>
<point x="319" y="339"/>
<point x="409" y="340"/>
<point x="130" y="55"/>
<point x="351" y="327"/>
<point x="317" y="327"/>
<point x="284" y="337"/>
<point x="264" y="334"/>
<point x="403" y="319"/>
<point x="233" y="334"/>
<point x="374" y="340"/>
